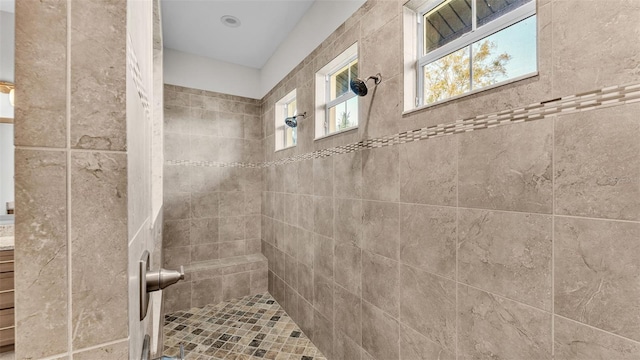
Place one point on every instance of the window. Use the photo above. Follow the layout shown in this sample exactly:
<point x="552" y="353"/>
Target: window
<point x="337" y="105"/>
<point x="468" y="45"/>
<point x="286" y="136"/>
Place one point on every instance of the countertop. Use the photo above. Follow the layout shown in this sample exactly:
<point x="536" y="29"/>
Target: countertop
<point x="6" y="243"/>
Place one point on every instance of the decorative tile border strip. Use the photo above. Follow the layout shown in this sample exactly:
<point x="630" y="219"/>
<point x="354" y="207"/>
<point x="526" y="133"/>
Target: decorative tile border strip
<point x="592" y="100"/>
<point x="136" y="74"/>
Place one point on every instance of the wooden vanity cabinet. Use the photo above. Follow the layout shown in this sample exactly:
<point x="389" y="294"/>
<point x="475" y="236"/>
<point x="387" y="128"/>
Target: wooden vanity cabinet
<point x="7" y="318"/>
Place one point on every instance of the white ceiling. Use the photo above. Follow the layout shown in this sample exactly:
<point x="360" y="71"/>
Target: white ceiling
<point x="8" y="5"/>
<point x="194" y="26"/>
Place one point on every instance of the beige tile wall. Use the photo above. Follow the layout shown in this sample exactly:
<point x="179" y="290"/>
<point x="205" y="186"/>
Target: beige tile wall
<point x="517" y="242"/>
<point x="82" y="178"/>
<point x="210" y="212"/>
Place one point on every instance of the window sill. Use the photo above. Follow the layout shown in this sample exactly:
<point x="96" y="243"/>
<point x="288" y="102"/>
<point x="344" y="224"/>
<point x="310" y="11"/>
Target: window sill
<point x="474" y="92"/>
<point x="284" y="148"/>
<point x="336" y="133"/>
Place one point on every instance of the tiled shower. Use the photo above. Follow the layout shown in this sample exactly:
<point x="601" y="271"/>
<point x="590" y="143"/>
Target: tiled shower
<point x="503" y="224"/>
<point x="212" y="221"/>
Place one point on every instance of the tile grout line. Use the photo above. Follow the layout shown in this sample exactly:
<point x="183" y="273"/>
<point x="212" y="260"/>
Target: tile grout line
<point x="553" y="204"/>
<point x="553" y="235"/>
<point x="95" y="347"/>
<point x="458" y="144"/>
<point x="68" y="188"/>
<point x="460" y="207"/>
<point x="599" y="330"/>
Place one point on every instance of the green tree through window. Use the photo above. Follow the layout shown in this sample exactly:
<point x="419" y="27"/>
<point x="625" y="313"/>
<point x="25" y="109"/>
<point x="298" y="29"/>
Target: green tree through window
<point x="451" y="75"/>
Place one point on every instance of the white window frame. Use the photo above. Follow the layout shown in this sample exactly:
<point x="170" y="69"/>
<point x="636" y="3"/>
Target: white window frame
<point x="415" y="60"/>
<point x="280" y="116"/>
<point x="323" y="91"/>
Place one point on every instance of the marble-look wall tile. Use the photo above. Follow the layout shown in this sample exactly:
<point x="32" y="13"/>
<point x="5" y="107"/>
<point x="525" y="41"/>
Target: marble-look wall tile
<point x="177" y="205"/>
<point x="323" y="295"/>
<point x="175" y="179"/>
<point x="380" y="174"/>
<point x="348" y="318"/>
<point x="177" y="256"/>
<point x="574" y="341"/>
<point x="204" y="179"/>
<point x="323" y="176"/>
<point x="306" y="212"/>
<point x="231" y="228"/>
<point x="177" y="297"/>
<point x="236" y="285"/>
<point x="381" y="282"/>
<point x="323" y="215"/>
<point x="41" y="253"/>
<point x="380" y="233"/>
<point x="380" y="116"/>
<point x="599" y="177"/>
<point x="348" y="175"/>
<point x="252" y="127"/>
<point x="292" y="184"/>
<point x="414" y="346"/>
<point x="207" y="148"/>
<point x="99" y="247"/>
<point x="201" y="231"/>
<point x="40" y="71"/>
<point x="323" y="256"/>
<point x="258" y="281"/>
<point x="323" y="334"/>
<point x="118" y="350"/>
<point x="507" y="168"/>
<point x="428" y="171"/>
<point x="491" y="326"/>
<point x="306" y="247"/>
<point x="348" y="221"/>
<point x="305" y="282"/>
<point x="231" y="203"/>
<point x="231" y="124"/>
<point x="206" y="291"/>
<point x="291" y="271"/>
<point x="380" y="333"/>
<point x="98" y="74"/>
<point x="344" y="348"/>
<point x="305" y="177"/>
<point x="377" y="13"/>
<point x="176" y="233"/>
<point x="305" y="312"/>
<point x="204" y="205"/>
<point x="428" y="238"/>
<point x="348" y="267"/>
<point x="291" y="302"/>
<point x="596" y="274"/>
<point x="381" y="51"/>
<point x="428" y="305"/>
<point x="202" y="122"/>
<point x="508" y="254"/>
<point x="290" y="205"/>
<point x="586" y="27"/>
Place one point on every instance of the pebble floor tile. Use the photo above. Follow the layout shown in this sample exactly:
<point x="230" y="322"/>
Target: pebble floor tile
<point x="252" y="327"/>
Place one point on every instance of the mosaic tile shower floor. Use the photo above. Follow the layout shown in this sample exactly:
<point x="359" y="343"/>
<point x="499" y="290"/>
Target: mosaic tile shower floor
<point x="252" y="327"/>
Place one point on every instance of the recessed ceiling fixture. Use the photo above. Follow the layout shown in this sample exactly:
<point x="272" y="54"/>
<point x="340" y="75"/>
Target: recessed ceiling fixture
<point x="230" y="21"/>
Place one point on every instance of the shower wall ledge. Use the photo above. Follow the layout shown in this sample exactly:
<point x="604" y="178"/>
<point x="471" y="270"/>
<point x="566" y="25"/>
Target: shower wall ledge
<point x="214" y="281"/>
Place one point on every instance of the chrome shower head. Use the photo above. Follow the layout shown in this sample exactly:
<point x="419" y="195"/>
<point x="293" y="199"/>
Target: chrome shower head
<point x="359" y="87"/>
<point x="292" y="121"/>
